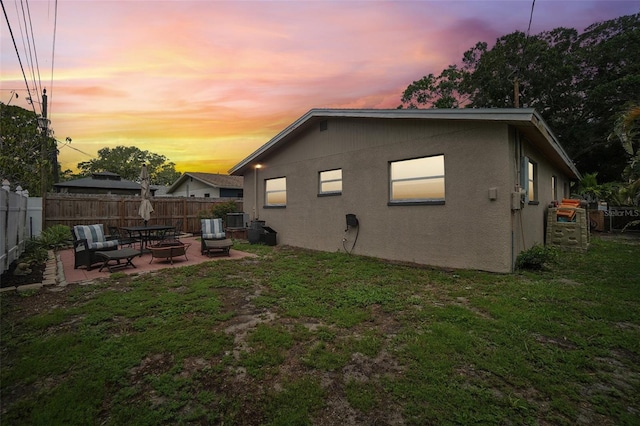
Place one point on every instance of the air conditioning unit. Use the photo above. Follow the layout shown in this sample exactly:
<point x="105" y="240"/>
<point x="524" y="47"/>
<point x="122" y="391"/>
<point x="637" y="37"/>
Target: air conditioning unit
<point x="237" y="220"/>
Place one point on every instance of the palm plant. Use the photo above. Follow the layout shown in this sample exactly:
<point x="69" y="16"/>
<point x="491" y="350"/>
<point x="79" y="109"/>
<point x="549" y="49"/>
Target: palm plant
<point x="626" y="129"/>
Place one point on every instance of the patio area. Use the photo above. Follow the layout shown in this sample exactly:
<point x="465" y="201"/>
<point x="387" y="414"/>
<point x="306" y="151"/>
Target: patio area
<point x="144" y="263"/>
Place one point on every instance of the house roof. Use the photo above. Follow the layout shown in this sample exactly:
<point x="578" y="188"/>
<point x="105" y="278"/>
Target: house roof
<point x="212" y="179"/>
<point x="90" y="182"/>
<point x="527" y="120"/>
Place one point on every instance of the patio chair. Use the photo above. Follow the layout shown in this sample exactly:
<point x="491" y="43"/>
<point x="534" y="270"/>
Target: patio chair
<point x="87" y="240"/>
<point x="213" y="236"/>
<point x="172" y="234"/>
<point x="116" y="233"/>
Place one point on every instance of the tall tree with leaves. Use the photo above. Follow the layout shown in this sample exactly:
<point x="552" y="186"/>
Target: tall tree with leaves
<point x="127" y="161"/>
<point x="21" y="149"/>
<point x="578" y="82"/>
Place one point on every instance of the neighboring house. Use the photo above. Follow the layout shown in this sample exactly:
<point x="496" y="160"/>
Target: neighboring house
<point x="100" y="183"/>
<point x="208" y="185"/>
<point x="456" y="188"/>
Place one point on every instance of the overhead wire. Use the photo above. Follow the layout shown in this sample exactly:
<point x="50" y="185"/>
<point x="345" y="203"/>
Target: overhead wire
<point x="518" y="69"/>
<point x="15" y="46"/>
<point x="35" y="52"/>
<point x="53" y="50"/>
<point x="26" y="45"/>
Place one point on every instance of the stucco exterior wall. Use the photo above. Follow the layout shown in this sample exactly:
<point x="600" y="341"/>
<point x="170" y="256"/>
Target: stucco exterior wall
<point x="531" y="220"/>
<point x="469" y="231"/>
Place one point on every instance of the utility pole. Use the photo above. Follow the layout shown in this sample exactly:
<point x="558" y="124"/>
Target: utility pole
<point x="44" y="127"/>
<point x="516" y="93"/>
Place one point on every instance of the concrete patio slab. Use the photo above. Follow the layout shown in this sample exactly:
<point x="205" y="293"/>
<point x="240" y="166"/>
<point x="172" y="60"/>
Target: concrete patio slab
<point x="71" y="275"/>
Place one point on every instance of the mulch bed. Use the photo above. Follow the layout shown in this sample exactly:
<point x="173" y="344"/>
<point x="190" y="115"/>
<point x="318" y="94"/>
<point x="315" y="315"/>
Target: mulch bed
<point x="7" y="279"/>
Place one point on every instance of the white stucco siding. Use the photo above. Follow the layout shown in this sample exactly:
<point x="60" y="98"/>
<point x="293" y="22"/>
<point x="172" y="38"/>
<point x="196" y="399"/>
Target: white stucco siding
<point x="468" y="231"/>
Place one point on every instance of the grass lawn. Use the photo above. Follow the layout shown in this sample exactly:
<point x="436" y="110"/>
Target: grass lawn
<point x="295" y="337"/>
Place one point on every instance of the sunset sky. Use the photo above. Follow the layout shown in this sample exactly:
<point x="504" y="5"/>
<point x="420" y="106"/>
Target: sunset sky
<point x="207" y="82"/>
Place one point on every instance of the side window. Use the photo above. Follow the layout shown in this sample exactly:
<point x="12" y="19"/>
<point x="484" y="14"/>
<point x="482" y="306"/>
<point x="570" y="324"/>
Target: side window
<point x="418" y="180"/>
<point x="554" y="187"/>
<point x="330" y="182"/>
<point x="276" y="192"/>
<point x="529" y="179"/>
<point x="532" y="181"/>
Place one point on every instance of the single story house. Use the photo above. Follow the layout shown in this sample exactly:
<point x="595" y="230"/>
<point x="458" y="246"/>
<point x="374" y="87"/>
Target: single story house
<point x="207" y="185"/>
<point x="454" y="188"/>
<point x="100" y="183"/>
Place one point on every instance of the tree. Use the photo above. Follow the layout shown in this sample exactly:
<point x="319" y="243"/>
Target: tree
<point x="627" y="129"/>
<point x="127" y="161"/>
<point x="21" y="145"/>
<point x="578" y="82"/>
<point x="444" y="91"/>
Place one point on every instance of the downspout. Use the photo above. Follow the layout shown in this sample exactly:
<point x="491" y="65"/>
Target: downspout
<point x="518" y="156"/>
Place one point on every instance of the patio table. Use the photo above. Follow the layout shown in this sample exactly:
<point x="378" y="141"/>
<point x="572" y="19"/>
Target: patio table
<point x="145" y="233"/>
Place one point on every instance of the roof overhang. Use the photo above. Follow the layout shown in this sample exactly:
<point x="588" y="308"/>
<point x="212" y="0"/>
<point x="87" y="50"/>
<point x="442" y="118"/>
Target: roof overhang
<point x="527" y="120"/>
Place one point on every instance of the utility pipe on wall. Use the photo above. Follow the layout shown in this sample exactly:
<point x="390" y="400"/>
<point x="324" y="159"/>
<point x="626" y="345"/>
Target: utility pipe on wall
<point x="255" y="191"/>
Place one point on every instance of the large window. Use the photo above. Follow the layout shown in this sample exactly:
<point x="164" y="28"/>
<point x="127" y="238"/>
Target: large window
<point x="276" y="192"/>
<point x="330" y="182"/>
<point x="419" y="180"/>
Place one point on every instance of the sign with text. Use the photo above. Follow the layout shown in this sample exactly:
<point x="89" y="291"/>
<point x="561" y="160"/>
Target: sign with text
<point x="619" y="217"/>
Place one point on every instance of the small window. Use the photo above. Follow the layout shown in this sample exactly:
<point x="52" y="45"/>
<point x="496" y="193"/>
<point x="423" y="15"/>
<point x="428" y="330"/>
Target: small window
<point x="554" y="187"/>
<point x="419" y="180"/>
<point x="531" y="183"/>
<point x="276" y="192"/>
<point x="529" y="179"/>
<point x="206" y="195"/>
<point x="330" y="182"/>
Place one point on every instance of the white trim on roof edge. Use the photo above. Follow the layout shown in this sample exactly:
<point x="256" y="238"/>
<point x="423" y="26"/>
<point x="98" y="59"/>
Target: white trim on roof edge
<point x="513" y="115"/>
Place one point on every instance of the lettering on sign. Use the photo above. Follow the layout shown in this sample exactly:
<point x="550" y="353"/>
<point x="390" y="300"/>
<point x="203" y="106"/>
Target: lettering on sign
<point x="618" y="212"/>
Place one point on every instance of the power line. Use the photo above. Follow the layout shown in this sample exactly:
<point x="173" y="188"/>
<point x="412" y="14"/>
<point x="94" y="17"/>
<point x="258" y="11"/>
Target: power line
<point x="24" y="32"/>
<point x="516" y="82"/>
<point x="531" y="17"/>
<point x="35" y="52"/>
<point x="17" y="52"/>
<point x="53" y="48"/>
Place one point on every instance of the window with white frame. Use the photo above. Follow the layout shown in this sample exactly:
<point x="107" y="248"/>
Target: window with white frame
<point x="276" y="192"/>
<point x="554" y="187"/>
<point x="418" y="180"/>
<point x="330" y="182"/>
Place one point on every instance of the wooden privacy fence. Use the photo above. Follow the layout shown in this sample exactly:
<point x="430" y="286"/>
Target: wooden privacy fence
<point x="122" y="210"/>
<point x="13" y="225"/>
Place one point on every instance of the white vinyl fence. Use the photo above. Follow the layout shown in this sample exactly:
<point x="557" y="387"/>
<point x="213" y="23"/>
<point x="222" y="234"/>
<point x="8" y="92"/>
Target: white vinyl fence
<point x="13" y="224"/>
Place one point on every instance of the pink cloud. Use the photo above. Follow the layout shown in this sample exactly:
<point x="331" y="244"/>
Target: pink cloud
<point x="211" y="81"/>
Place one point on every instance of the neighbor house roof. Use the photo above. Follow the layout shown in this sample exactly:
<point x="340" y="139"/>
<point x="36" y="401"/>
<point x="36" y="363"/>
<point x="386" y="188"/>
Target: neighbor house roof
<point x="527" y="120"/>
<point x="101" y="180"/>
<point x="212" y="179"/>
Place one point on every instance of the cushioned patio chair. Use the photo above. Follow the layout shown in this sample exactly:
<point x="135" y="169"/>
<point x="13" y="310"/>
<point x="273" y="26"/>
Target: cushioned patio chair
<point x="214" y="237"/>
<point x="87" y="240"/>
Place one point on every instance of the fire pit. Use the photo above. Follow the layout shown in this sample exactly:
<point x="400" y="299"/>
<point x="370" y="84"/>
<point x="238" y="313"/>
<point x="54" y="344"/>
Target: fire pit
<point x="168" y="250"/>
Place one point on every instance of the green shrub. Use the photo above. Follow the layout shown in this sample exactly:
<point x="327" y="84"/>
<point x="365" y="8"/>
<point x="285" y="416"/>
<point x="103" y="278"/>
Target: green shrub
<point x="56" y="236"/>
<point x="219" y="210"/>
<point x="34" y="252"/>
<point x="536" y="257"/>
